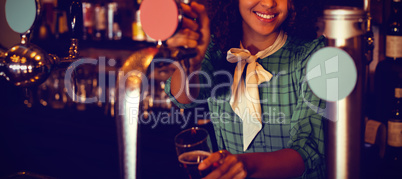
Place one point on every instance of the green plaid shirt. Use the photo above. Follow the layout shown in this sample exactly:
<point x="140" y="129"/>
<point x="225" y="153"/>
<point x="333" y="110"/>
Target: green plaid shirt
<point x="287" y="120"/>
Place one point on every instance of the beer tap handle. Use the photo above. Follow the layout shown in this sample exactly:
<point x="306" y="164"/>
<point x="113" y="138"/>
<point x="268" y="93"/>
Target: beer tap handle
<point x="369" y="36"/>
<point x="76" y="19"/>
<point x="76" y="28"/>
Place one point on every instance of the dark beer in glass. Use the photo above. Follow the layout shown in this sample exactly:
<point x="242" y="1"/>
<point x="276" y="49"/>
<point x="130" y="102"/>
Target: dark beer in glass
<point x="192" y="147"/>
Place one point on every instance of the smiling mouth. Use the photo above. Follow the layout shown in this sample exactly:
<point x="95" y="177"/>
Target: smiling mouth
<point x="265" y="16"/>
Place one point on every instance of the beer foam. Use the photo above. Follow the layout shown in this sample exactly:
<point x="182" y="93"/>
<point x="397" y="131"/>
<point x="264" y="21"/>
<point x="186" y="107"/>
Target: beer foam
<point x="193" y="157"/>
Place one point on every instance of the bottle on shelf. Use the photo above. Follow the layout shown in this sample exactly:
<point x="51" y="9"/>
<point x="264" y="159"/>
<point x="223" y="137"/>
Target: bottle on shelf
<point x="89" y="20"/>
<point x="138" y="33"/>
<point x="388" y="91"/>
<point x="394" y="140"/>
<point x="61" y="26"/>
<point x="100" y="21"/>
<point x="394" y="32"/>
<point x="44" y="30"/>
<point x="389" y="71"/>
<point x="113" y="22"/>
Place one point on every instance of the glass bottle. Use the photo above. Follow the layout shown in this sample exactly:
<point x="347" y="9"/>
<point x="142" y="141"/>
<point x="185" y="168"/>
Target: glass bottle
<point x="394" y="140"/>
<point x="100" y="21"/>
<point x="394" y="32"/>
<point x="138" y="33"/>
<point x="89" y="20"/>
<point x="389" y="71"/>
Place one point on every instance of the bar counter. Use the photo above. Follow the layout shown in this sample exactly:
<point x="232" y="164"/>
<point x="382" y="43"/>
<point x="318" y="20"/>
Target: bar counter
<point x="66" y="143"/>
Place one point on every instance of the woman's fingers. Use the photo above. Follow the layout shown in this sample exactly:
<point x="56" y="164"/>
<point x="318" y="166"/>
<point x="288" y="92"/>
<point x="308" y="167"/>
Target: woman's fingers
<point x="236" y="171"/>
<point x="241" y="175"/>
<point x="194" y="32"/>
<point x="229" y="166"/>
<point x="187" y="11"/>
<point x="189" y="24"/>
<point x="203" y="22"/>
<point x="185" y="38"/>
<point x="208" y="162"/>
<point x="224" y="168"/>
<point x="201" y="13"/>
<point x="182" y="42"/>
<point x="187" y="33"/>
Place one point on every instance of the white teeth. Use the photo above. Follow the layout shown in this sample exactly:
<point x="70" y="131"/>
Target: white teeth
<point x="265" y="16"/>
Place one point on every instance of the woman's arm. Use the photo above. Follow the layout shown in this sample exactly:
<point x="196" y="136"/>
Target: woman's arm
<point x="307" y="135"/>
<point x="194" y="34"/>
<point x="285" y="163"/>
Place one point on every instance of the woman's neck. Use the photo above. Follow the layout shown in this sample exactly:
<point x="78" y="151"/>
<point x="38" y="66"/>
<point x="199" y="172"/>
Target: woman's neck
<point x="255" y="43"/>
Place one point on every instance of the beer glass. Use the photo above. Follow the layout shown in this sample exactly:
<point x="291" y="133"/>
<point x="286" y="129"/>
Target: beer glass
<point x="192" y="147"/>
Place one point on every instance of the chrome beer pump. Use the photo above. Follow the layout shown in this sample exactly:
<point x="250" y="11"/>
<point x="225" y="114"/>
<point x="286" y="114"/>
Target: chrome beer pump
<point x="348" y="29"/>
<point x="132" y="77"/>
<point x="26" y="64"/>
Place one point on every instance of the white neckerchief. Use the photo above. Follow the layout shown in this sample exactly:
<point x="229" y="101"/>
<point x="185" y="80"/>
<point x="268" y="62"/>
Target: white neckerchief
<point x="245" y="99"/>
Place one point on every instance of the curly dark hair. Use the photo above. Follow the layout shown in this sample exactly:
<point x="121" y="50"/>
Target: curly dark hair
<point x="226" y="21"/>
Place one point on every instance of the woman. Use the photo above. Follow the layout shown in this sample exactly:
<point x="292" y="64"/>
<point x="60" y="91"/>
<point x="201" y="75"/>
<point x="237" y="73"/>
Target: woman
<point x="250" y="68"/>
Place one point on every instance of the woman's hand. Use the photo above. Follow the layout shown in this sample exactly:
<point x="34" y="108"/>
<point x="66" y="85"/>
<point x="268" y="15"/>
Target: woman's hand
<point x="193" y="33"/>
<point x="225" y="165"/>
